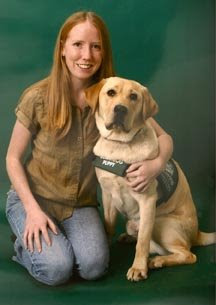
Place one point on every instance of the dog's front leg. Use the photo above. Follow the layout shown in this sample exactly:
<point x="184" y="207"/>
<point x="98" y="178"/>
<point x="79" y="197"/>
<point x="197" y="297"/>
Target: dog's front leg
<point x="139" y="269"/>
<point x="110" y="214"/>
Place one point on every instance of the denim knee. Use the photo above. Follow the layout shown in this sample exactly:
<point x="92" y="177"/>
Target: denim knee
<point x="56" y="271"/>
<point x="93" y="268"/>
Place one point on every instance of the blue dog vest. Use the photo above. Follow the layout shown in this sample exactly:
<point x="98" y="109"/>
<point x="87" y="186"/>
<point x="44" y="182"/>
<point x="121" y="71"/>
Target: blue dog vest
<point x="167" y="180"/>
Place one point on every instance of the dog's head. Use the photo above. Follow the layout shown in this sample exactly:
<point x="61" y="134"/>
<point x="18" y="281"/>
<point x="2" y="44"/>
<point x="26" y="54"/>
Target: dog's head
<point x="121" y="105"/>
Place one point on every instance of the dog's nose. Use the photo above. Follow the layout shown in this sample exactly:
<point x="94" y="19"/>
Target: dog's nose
<point x="119" y="109"/>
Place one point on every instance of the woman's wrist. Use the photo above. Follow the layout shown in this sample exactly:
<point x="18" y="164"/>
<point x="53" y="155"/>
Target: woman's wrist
<point x="32" y="207"/>
<point x="161" y="164"/>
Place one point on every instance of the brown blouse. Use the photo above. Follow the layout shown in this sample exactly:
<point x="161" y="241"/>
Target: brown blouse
<point x="60" y="173"/>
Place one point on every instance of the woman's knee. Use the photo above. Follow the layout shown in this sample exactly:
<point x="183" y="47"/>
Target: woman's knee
<point x="55" y="271"/>
<point x="53" y="265"/>
<point x="95" y="267"/>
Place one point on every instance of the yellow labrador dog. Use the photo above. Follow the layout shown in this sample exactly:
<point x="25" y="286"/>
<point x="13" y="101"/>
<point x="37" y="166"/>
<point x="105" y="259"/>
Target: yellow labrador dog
<point x="122" y="108"/>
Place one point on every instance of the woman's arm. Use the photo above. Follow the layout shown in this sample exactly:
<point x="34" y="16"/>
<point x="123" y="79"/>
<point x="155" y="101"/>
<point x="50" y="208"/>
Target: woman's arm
<point x="165" y="144"/>
<point x="36" y="220"/>
<point x="141" y="174"/>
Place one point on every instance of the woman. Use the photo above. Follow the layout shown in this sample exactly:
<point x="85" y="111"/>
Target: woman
<point x="52" y="207"/>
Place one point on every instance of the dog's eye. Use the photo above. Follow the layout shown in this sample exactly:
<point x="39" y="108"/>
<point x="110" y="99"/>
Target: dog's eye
<point x="111" y="92"/>
<point x="133" y="96"/>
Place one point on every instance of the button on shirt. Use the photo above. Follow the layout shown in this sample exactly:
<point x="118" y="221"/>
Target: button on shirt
<point x="60" y="172"/>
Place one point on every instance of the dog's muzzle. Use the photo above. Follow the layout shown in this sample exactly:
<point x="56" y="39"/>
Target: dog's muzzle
<point x="120" y="112"/>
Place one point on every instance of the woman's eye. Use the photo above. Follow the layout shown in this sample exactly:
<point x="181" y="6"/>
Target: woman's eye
<point x="111" y="92"/>
<point x="133" y="96"/>
<point x="97" y="46"/>
<point x="77" y="44"/>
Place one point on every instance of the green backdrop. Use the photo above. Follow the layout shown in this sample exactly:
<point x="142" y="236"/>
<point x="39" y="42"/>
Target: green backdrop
<point x="168" y="45"/>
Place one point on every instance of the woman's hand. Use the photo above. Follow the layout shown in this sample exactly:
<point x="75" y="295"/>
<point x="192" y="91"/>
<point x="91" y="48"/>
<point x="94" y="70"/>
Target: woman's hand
<point x="37" y="224"/>
<point x="140" y="175"/>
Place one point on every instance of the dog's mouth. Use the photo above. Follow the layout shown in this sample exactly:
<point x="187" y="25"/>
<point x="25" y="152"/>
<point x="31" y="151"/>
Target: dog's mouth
<point x="117" y="124"/>
<point x="119" y="117"/>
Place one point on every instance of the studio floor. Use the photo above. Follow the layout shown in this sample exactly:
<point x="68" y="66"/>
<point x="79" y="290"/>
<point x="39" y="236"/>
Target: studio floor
<point x="188" y="285"/>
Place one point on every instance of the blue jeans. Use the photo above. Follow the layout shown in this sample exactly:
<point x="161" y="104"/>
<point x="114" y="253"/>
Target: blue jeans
<point x="81" y="244"/>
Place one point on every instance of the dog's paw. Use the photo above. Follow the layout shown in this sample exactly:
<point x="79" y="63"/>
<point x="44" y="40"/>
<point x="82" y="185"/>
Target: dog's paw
<point x="135" y="274"/>
<point x="156" y="262"/>
<point x="125" y="238"/>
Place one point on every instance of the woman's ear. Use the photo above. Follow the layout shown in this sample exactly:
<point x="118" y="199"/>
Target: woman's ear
<point x="92" y="94"/>
<point x="150" y="107"/>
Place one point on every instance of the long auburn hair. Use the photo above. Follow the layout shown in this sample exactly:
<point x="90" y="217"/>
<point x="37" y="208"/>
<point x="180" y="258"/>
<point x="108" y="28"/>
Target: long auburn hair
<point x="58" y="86"/>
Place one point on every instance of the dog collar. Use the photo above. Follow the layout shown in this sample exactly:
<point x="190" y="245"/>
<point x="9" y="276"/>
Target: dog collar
<point x="116" y="167"/>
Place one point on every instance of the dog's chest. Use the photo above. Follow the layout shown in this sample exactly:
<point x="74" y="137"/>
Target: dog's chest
<point x="121" y="195"/>
<point x="143" y="146"/>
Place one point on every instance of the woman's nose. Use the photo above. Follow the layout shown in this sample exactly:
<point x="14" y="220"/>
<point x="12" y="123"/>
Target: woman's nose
<point x="87" y="52"/>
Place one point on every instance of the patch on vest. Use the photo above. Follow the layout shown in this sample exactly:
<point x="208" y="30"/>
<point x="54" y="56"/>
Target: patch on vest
<point x="115" y="167"/>
<point x="168" y="181"/>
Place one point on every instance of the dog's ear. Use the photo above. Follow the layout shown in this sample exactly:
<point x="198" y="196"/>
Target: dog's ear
<point x="150" y="107"/>
<point x="92" y="94"/>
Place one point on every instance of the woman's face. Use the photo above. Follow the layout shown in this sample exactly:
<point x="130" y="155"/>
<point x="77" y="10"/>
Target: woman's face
<point x="83" y="51"/>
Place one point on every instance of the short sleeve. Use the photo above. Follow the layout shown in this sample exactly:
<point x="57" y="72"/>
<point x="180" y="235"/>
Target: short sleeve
<point x="28" y="110"/>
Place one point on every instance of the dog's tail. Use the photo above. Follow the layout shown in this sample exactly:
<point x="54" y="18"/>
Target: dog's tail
<point x="204" y="239"/>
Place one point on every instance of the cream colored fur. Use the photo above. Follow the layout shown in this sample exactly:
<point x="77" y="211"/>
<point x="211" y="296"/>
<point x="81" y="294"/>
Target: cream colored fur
<point x="170" y="229"/>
